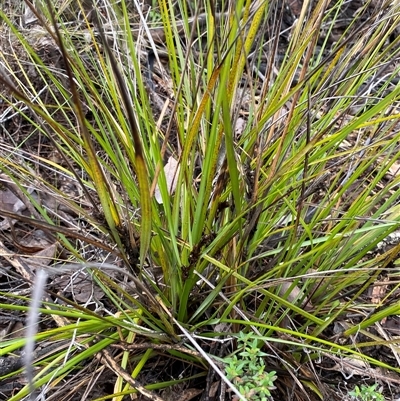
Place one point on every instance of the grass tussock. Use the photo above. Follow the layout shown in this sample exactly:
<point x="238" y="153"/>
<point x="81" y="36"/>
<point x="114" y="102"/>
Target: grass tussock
<point x="191" y="172"/>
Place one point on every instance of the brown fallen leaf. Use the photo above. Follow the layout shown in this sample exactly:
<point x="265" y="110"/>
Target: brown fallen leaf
<point x="43" y="257"/>
<point x="171" y="171"/>
<point x="80" y="285"/>
<point x="294" y="295"/>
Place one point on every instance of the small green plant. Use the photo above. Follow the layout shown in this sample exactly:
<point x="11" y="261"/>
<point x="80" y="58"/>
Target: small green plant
<point x="366" y="393"/>
<point x="247" y="369"/>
